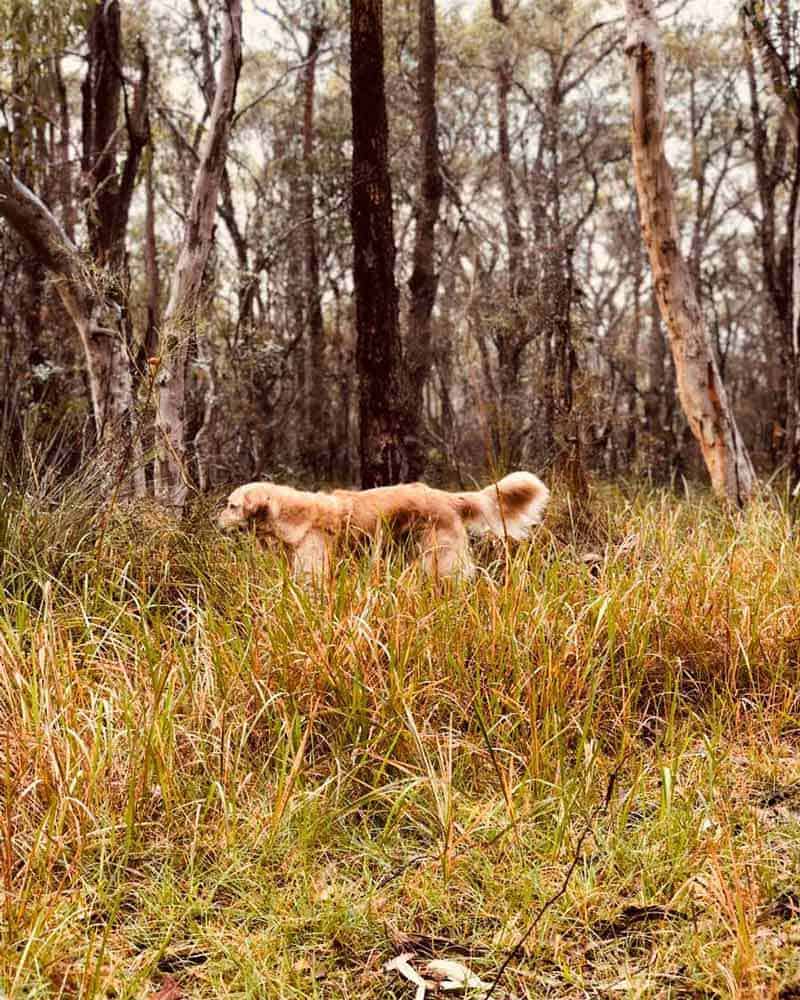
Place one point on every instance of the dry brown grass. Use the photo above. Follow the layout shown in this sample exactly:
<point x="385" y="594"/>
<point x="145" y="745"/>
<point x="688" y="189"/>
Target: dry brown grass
<point x="209" y="773"/>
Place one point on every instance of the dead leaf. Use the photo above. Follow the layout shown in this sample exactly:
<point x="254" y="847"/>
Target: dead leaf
<point x="441" y="974"/>
<point x="401" y="964"/>
<point x="453" y="975"/>
<point x="170" y="990"/>
<point x="65" y="979"/>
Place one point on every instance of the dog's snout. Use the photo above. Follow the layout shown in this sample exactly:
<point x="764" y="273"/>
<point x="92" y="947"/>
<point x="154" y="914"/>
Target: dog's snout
<point x="228" y="518"/>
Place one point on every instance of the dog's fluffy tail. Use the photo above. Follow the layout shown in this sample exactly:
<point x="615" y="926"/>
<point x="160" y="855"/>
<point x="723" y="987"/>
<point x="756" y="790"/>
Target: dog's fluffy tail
<point x="508" y="508"/>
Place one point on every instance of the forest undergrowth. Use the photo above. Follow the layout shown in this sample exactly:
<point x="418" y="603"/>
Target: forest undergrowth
<point x="220" y="784"/>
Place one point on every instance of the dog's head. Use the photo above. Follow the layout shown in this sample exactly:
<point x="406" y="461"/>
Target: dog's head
<point x="252" y="502"/>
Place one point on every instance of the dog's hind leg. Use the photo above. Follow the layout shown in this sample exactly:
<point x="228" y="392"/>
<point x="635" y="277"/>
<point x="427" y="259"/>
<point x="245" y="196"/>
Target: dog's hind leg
<point x="445" y="551"/>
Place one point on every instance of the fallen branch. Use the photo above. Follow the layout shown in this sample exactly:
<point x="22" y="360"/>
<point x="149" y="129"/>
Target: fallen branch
<point x="596" y="812"/>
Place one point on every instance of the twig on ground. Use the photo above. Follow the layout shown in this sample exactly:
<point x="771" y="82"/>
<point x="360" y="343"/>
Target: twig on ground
<point x="596" y="812"/>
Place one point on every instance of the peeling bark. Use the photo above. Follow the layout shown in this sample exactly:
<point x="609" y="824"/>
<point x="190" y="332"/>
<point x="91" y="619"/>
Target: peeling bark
<point x="180" y="316"/>
<point x="700" y="387"/>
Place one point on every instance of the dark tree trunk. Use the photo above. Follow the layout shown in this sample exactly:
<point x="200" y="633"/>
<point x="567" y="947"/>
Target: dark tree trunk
<point x="383" y="397"/>
<point x="101" y="92"/>
<point x="297" y="316"/>
<point x="424" y="279"/>
<point x="316" y="438"/>
<point x="513" y="338"/>
<point x="108" y="193"/>
<point x="96" y="299"/>
<point x="771" y="163"/>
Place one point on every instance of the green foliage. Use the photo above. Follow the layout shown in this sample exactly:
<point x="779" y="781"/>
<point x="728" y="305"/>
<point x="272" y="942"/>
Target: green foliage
<point x="209" y="770"/>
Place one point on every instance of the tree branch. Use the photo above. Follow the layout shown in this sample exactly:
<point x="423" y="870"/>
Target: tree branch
<point x="33" y="221"/>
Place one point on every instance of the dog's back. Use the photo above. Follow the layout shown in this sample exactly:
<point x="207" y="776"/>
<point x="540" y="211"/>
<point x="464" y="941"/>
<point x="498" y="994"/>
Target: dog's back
<point x="397" y="507"/>
<point x="508" y="508"/>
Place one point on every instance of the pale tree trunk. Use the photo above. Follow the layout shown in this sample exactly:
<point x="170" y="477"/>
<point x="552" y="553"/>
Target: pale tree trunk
<point x="66" y="188"/>
<point x="171" y="473"/>
<point x="700" y="387"/>
<point x="152" y="278"/>
<point x="146" y="365"/>
<point x="203" y="443"/>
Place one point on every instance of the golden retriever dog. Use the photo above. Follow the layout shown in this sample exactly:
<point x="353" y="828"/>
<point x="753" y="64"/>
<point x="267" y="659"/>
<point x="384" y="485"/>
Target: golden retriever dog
<point x="309" y="524"/>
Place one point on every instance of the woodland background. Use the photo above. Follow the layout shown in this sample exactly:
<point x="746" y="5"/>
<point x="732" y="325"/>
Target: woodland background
<point x="544" y="340"/>
<point x="579" y="774"/>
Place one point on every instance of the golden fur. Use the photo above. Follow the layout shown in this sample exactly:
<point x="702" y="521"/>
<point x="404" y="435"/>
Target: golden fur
<point x="308" y="524"/>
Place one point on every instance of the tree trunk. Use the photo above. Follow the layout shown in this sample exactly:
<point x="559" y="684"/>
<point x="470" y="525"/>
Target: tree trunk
<point x="101" y="91"/>
<point x="152" y="278"/>
<point x="511" y="214"/>
<point x="316" y="438"/>
<point x="424" y="280"/>
<point x="793" y="374"/>
<point x="779" y="258"/>
<point x="96" y="318"/>
<point x="171" y="473"/>
<point x="108" y="193"/>
<point x="700" y="387"/>
<point x="383" y="395"/>
<point x="294" y="430"/>
<point x="96" y="296"/>
<point x="631" y="358"/>
<point x="65" y="184"/>
<point x="513" y="336"/>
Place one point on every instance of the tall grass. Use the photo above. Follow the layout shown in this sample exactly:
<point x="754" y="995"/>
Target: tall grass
<point x="210" y="772"/>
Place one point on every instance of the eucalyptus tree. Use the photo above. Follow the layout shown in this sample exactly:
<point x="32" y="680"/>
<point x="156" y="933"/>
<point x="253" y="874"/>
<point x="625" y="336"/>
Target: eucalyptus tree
<point x="180" y="316"/>
<point x="700" y="386"/>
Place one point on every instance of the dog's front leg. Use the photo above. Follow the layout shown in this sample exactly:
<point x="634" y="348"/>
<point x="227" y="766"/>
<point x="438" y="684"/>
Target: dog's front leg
<point x="310" y="557"/>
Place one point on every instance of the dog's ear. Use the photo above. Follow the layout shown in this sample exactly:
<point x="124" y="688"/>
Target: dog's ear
<point x="258" y="503"/>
